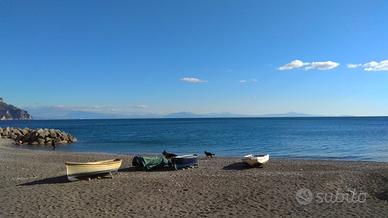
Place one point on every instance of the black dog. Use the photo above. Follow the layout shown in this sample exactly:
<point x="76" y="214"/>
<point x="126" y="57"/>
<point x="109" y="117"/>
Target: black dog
<point x="168" y="155"/>
<point x="208" y="154"/>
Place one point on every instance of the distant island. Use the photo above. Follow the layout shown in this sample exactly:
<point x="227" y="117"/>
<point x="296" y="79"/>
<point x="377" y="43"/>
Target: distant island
<point x="10" y="112"/>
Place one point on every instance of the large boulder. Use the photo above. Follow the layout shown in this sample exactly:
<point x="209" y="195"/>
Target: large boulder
<point x="41" y="133"/>
<point x="16" y="132"/>
<point x="6" y="131"/>
<point x="34" y="135"/>
<point x="26" y="131"/>
<point x="53" y="133"/>
<point x="65" y="137"/>
<point x="13" y="136"/>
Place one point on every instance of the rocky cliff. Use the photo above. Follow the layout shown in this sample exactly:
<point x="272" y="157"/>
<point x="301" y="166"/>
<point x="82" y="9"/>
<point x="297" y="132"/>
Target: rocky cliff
<point x="10" y="112"/>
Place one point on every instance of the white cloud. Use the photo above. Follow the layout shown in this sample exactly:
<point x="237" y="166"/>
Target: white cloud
<point x="376" y="66"/>
<point x="192" y="80"/>
<point x="140" y="106"/>
<point x="322" y="65"/>
<point x="352" y="66"/>
<point x="372" y="66"/>
<point x="317" y="65"/>
<point x="244" y="81"/>
<point x="292" y="65"/>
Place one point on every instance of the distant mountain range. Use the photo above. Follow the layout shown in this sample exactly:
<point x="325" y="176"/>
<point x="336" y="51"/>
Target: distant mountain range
<point x="208" y="115"/>
<point x="59" y="113"/>
<point x="290" y="114"/>
<point x="54" y="113"/>
<point x="226" y="115"/>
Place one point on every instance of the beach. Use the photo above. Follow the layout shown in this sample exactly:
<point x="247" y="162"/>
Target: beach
<point x="33" y="184"/>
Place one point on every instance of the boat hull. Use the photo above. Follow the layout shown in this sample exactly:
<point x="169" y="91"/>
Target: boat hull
<point x="184" y="161"/>
<point x="256" y="160"/>
<point x="76" y="171"/>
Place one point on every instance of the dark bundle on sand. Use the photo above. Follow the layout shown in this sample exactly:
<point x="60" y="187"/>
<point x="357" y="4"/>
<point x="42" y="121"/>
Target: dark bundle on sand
<point x="150" y="162"/>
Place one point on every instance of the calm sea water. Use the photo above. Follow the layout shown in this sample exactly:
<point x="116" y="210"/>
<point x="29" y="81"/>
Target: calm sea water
<point x="363" y="138"/>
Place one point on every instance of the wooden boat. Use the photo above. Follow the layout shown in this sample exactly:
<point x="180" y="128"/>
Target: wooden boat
<point x="255" y="160"/>
<point x="77" y="170"/>
<point x="185" y="161"/>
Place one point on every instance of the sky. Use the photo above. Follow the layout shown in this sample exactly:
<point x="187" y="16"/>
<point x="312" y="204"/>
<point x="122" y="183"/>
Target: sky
<point x="324" y="57"/>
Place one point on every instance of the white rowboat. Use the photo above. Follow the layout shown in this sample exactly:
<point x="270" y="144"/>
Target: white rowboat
<point x="77" y="170"/>
<point x="255" y="160"/>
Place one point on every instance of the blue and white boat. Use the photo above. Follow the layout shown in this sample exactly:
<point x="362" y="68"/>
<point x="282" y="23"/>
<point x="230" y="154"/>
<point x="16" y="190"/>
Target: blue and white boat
<point x="185" y="161"/>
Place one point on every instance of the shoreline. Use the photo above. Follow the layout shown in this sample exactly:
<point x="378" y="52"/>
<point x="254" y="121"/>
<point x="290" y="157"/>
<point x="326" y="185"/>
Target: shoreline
<point x="47" y="148"/>
<point x="33" y="183"/>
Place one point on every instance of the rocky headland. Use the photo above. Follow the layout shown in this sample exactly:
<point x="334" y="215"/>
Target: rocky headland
<point x="10" y="112"/>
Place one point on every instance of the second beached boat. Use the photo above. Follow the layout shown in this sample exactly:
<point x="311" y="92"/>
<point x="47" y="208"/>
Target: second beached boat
<point x="255" y="160"/>
<point x="185" y="161"/>
<point x="76" y="170"/>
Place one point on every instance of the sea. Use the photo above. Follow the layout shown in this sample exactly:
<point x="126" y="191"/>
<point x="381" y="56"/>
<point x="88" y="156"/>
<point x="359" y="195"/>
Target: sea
<point x="334" y="138"/>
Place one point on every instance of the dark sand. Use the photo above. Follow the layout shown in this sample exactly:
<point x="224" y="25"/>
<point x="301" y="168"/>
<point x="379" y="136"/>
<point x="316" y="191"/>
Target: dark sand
<point x="33" y="184"/>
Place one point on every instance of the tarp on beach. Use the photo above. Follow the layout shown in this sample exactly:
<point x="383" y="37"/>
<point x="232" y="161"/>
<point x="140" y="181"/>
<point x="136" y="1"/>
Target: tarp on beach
<point x="149" y="162"/>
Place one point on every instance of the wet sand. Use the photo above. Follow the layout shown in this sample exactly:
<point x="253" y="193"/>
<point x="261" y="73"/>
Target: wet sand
<point x="33" y="184"/>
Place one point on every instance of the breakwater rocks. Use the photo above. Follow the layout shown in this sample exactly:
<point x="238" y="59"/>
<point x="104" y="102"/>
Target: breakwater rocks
<point x="37" y="136"/>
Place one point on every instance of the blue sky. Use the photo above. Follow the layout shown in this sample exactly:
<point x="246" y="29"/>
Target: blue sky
<point x="199" y="56"/>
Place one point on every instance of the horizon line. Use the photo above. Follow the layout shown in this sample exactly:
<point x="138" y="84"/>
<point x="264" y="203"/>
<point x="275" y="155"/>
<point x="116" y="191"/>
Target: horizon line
<point x="242" y="117"/>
